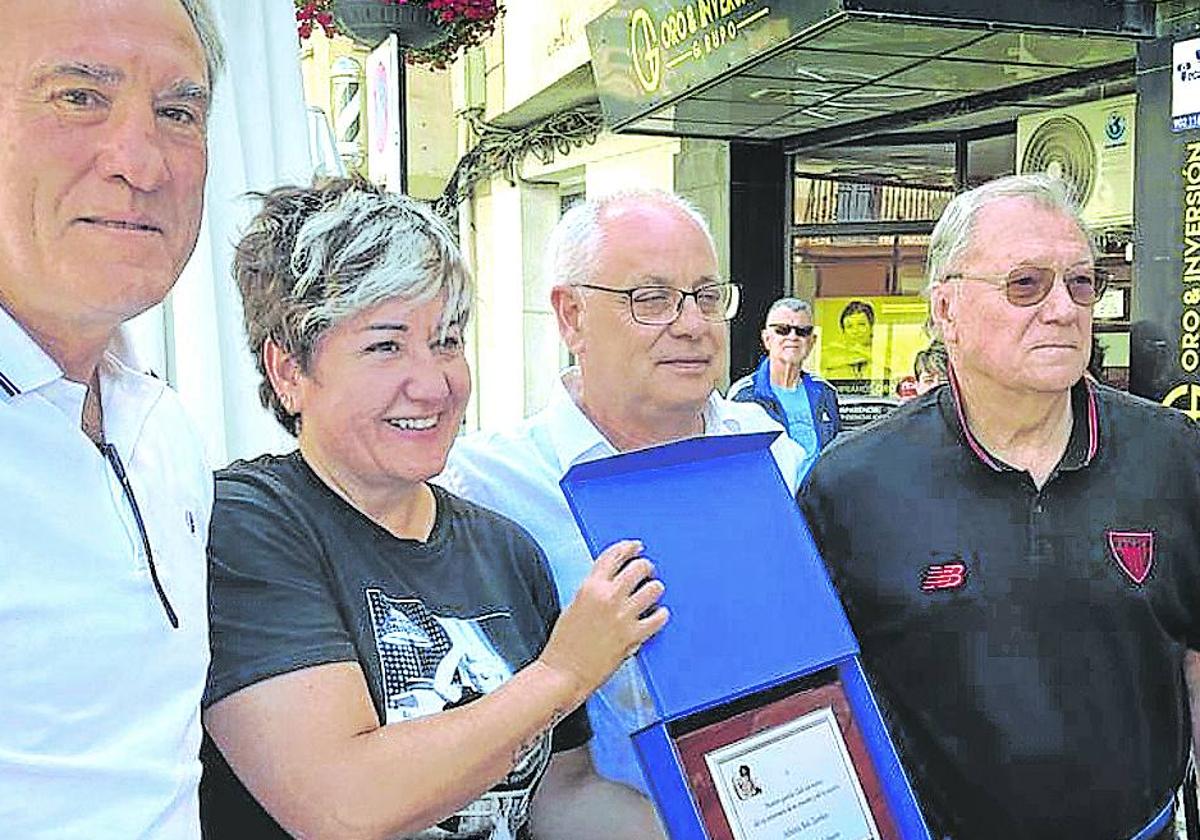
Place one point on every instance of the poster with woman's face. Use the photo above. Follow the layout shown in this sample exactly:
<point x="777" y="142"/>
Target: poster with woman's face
<point x="867" y="344"/>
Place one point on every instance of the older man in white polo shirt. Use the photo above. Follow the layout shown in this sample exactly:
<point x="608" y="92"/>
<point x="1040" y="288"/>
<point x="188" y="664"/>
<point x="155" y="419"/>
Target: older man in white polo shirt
<point x="641" y="306"/>
<point x="106" y="497"/>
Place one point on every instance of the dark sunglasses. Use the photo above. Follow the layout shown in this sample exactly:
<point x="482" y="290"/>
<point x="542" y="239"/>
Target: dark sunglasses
<point x="787" y="329"/>
<point x="1029" y="285"/>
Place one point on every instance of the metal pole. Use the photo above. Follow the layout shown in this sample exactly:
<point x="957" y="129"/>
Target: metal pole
<point x="962" y="163"/>
<point x="402" y="84"/>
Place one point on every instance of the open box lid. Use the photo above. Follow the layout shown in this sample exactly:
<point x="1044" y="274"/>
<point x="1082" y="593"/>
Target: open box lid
<point x="751" y="604"/>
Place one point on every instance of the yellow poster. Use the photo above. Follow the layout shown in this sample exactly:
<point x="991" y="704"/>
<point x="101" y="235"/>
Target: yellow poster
<point x="867" y="344"/>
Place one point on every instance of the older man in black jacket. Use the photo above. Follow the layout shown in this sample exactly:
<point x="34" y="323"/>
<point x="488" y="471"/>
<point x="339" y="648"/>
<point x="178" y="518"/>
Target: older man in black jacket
<point x="1018" y="552"/>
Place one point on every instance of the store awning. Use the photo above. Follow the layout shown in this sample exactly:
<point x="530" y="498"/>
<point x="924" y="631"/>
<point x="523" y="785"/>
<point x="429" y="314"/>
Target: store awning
<point x="815" y="72"/>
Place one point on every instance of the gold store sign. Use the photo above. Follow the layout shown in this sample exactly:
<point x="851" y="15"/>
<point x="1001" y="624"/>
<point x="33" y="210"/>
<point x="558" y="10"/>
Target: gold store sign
<point x="648" y="52"/>
<point x="660" y="42"/>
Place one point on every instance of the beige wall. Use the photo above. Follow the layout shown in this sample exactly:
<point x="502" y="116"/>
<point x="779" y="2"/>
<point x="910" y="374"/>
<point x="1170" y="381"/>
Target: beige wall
<point x="432" y="131"/>
<point x="544" y="353"/>
<point x="702" y="176"/>
<point x="544" y="41"/>
<point x="499" y="337"/>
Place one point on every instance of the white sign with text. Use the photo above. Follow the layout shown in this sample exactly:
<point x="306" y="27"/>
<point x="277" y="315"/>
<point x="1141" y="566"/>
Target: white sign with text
<point x="793" y="781"/>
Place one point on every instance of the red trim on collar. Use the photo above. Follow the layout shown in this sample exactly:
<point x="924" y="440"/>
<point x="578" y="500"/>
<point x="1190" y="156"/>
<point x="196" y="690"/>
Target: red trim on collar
<point x="979" y="451"/>
<point x="1093" y="413"/>
<point x="1093" y="424"/>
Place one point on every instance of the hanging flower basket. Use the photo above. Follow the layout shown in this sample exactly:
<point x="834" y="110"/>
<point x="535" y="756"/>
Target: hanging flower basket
<point x="370" y="21"/>
<point x="431" y="32"/>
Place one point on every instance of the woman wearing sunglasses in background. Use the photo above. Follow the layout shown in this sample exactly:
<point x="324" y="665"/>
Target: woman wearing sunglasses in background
<point x="805" y="404"/>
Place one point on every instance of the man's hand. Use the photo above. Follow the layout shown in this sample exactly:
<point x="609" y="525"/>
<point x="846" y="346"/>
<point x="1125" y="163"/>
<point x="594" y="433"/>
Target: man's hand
<point x="605" y="623"/>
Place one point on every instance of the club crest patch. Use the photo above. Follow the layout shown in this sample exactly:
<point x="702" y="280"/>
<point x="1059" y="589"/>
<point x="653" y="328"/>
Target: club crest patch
<point x="1133" y="551"/>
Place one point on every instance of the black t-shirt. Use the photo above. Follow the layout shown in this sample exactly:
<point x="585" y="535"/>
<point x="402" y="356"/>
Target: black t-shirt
<point x="1025" y="645"/>
<point x="299" y="578"/>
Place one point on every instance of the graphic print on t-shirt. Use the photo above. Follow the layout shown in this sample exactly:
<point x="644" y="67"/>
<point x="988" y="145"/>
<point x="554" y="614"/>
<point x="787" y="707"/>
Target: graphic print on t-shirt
<point x="431" y="663"/>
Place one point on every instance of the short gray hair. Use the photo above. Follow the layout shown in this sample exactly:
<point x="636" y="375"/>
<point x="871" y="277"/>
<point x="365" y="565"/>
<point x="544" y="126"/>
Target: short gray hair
<point x="316" y="256"/>
<point x="791" y="304"/>
<point x="573" y="247"/>
<point x="200" y="13"/>
<point x="952" y="235"/>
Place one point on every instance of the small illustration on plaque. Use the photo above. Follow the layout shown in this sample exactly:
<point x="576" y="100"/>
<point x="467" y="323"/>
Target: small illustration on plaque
<point x="813" y="789"/>
<point x="744" y="785"/>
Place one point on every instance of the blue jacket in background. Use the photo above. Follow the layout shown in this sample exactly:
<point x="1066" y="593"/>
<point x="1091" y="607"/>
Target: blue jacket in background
<point x="822" y="399"/>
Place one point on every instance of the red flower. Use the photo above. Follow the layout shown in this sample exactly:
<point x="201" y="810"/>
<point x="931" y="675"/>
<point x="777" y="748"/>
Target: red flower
<point x="468" y="23"/>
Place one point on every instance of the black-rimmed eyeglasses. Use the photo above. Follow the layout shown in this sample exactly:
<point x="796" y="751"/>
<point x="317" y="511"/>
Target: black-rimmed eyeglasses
<point x="787" y="329"/>
<point x="1029" y="285"/>
<point x="661" y="305"/>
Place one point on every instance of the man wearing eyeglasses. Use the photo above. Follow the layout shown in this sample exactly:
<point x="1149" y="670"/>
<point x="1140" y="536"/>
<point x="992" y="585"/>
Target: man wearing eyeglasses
<point x="641" y="306"/>
<point x="805" y="404"/>
<point x="1019" y="552"/>
<point x="104" y="492"/>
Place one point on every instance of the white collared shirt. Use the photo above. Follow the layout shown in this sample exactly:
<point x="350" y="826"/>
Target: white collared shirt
<point x="517" y="473"/>
<point x="99" y="698"/>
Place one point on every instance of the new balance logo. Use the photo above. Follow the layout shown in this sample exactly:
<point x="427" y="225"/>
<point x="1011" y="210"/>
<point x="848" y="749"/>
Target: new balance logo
<point x="941" y="576"/>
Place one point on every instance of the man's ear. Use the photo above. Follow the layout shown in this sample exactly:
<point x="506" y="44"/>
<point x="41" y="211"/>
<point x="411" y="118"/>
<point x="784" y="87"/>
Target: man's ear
<point x="567" y="302"/>
<point x="763" y="336"/>
<point x="943" y="311"/>
<point x="285" y="374"/>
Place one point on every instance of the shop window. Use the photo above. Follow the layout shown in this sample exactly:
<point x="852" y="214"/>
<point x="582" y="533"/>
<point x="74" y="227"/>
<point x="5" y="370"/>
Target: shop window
<point x="1111" y="317"/>
<point x="861" y="217"/>
<point x="836" y="266"/>
<point x="828" y="201"/>
<point x="869" y="310"/>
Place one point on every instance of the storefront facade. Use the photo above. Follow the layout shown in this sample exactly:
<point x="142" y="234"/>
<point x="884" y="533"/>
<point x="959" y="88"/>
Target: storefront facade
<point x="851" y="123"/>
<point x="822" y="138"/>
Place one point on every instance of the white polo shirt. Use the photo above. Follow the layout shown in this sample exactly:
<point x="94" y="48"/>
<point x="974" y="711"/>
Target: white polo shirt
<point x="99" y="694"/>
<point x="517" y="473"/>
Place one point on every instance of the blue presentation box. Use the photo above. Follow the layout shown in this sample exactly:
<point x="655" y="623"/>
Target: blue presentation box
<point x="758" y="665"/>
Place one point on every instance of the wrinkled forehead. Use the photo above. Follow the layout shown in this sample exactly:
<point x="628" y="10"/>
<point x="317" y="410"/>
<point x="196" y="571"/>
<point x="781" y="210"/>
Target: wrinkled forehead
<point x="154" y="37"/>
<point x="1015" y="231"/>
